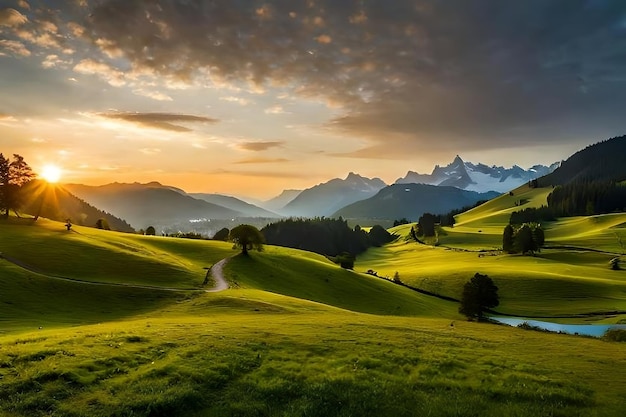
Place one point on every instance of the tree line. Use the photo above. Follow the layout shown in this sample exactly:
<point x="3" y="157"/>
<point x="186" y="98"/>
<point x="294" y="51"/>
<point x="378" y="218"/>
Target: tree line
<point x="326" y="236"/>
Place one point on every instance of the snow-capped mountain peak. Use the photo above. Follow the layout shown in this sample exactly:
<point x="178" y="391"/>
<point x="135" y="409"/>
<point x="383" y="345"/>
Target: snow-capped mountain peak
<point x="478" y="177"/>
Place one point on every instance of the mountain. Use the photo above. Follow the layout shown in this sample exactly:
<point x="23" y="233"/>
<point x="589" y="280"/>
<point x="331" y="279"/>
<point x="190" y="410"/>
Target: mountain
<point x="246" y="209"/>
<point x="603" y="161"/>
<point x="477" y="177"/>
<point x="57" y="203"/>
<point x="280" y="201"/>
<point x="411" y="201"/>
<point x="150" y="204"/>
<point x="325" y="199"/>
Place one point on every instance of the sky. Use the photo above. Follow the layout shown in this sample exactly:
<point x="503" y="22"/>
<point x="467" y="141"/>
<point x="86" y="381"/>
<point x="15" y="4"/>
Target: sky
<point x="248" y="98"/>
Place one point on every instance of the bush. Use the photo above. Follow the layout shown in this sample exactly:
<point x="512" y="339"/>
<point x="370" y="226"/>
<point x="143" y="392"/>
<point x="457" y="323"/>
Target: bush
<point x="615" y="335"/>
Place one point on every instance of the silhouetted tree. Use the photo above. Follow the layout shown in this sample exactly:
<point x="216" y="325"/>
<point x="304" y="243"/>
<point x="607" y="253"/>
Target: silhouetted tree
<point x="247" y="237"/>
<point x="539" y="237"/>
<point x="479" y="294"/>
<point x="13" y="176"/>
<point x="222" y="234"/>
<point x="507" y="239"/>
<point x="427" y="224"/>
<point x="524" y="240"/>
<point x="150" y="231"/>
<point x="379" y="235"/>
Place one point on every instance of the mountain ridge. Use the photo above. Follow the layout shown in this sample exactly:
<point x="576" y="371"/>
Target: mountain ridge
<point x="478" y="177"/>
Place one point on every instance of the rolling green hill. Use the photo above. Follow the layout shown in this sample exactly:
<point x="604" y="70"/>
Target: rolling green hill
<point x="296" y="335"/>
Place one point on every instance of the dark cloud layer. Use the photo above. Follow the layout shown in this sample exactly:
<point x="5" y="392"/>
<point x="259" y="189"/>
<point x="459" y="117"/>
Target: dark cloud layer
<point x="409" y="73"/>
<point x="165" y="121"/>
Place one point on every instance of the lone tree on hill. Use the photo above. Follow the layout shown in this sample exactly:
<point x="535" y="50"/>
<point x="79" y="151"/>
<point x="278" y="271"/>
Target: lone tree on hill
<point x="479" y="294"/>
<point x="150" y="231"/>
<point x="247" y="237"/>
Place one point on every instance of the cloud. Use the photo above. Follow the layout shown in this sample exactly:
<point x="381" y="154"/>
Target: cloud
<point x="238" y="100"/>
<point x="104" y="71"/>
<point x="262" y="161"/>
<point x="11" y="17"/>
<point x="13" y="47"/>
<point x="164" y="121"/>
<point x="7" y="118"/>
<point x="432" y="73"/>
<point x="155" y="95"/>
<point x="23" y="4"/>
<point x="150" y="151"/>
<point x="53" y="60"/>
<point x="276" y="109"/>
<point x="259" y="146"/>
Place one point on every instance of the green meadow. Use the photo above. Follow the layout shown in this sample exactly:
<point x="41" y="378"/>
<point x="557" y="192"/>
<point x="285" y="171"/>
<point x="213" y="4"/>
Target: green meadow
<point x="100" y="323"/>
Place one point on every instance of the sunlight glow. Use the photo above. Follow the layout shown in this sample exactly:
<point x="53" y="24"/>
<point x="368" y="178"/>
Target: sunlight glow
<point x="51" y="173"/>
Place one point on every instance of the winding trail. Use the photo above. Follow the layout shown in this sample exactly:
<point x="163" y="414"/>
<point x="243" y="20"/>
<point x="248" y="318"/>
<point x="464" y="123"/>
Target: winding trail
<point x="217" y="272"/>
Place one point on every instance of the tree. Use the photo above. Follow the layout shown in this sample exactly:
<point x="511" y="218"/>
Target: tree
<point x="524" y="240"/>
<point x="247" y="237"/>
<point x="479" y="294"/>
<point x="222" y="234"/>
<point x="346" y="260"/>
<point x="379" y="235"/>
<point x="103" y="224"/>
<point x="539" y="237"/>
<point x="426" y="224"/>
<point x="150" y="231"/>
<point x="507" y="239"/>
<point x="13" y="175"/>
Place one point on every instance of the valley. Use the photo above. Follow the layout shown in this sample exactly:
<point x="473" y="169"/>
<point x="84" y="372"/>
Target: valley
<point x="297" y="334"/>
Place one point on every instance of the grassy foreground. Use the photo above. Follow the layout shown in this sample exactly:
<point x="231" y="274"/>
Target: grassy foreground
<point x="295" y="336"/>
<point x="255" y="359"/>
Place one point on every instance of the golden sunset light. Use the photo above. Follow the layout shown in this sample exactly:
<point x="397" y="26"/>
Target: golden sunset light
<point x="322" y="208"/>
<point x="51" y="173"/>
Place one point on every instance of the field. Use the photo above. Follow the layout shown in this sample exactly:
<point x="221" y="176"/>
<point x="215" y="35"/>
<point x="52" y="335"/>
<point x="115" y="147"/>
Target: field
<point x="98" y="323"/>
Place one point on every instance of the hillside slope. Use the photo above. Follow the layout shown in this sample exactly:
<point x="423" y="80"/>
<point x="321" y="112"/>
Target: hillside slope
<point x="411" y="201"/>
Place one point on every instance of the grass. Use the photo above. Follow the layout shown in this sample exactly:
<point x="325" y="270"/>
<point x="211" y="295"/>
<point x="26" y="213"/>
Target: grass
<point x="96" y="255"/>
<point x="296" y="335"/>
<point x="574" y="279"/>
<point x="325" y="363"/>
<point x="312" y="277"/>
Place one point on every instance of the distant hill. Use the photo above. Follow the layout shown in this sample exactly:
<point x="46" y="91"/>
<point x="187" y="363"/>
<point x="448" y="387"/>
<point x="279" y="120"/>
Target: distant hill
<point x="57" y="203"/>
<point x="246" y="209"/>
<point x="150" y="204"/>
<point x="277" y="203"/>
<point x="411" y="201"/>
<point x="325" y="199"/>
<point x="477" y="177"/>
<point x="603" y="161"/>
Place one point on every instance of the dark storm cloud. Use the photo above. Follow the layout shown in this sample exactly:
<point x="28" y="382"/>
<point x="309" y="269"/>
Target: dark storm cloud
<point x="165" y="121"/>
<point x="410" y="72"/>
<point x="259" y="146"/>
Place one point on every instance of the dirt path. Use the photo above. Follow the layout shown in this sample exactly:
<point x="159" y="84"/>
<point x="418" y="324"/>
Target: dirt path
<point x="217" y="272"/>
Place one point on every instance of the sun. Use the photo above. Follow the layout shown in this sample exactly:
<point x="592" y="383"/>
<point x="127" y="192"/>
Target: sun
<point x="51" y="173"/>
